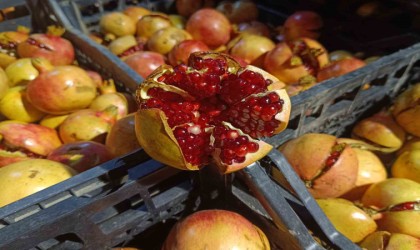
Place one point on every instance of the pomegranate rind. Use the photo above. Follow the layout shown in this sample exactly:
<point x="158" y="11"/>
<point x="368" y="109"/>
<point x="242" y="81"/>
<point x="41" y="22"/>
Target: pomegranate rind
<point x="157" y="139"/>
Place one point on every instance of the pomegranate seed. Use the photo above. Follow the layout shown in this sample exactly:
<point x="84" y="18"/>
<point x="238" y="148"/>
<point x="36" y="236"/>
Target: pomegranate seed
<point x="252" y="147"/>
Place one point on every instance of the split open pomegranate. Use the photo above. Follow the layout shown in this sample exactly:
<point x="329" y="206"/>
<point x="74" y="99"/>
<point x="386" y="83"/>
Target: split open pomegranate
<point x="211" y="110"/>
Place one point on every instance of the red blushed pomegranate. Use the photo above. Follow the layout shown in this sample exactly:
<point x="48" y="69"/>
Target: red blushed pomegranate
<point x="122" y="139"/>
<point x="211" y="227"/>
<point x="235" y="11"/>
<point x="209" y="26"/>
<point x="210" y="110"/>
<point x="9" y="41"/>
<point x="88" y="125"/>
<point x="294" y="62"/>
<point x="51" y="46"/>
<point x="187" y="7"/>
<point x="328" y="168"/>
<point x="302" y="24"/>
<point x="62" y="90"/>
<point x="22" y="140"/>
<point x="81" y="155"/>
<point x="180" y="53"/>
<point x="144" y="62"/>
<point x="340" y="67"/>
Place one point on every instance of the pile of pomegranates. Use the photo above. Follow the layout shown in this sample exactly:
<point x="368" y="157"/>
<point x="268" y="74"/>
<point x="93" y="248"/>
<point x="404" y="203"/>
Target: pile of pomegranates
<point x="367" y="185"/>
<point x="146" y="39"/>
<point x="55" y="111"/>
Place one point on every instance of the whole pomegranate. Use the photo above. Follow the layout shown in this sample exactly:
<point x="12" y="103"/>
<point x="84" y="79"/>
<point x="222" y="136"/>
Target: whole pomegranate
<point x="144" y="62"/>
<point x="396" y="201"/>
<point x="151" y="23"/>
<point x="383" y="240"/>
<point x="81" y="155"/>
<point x="210" y="109"/>
<point x="24" y="70"/>
<point x="187" y="7"/>
<point x="62" y="90"/>
<point x="122" y="139"/>
<point x="254" y="27"/>
<point x="124" y="102"/>
<point x="302" y="24"/>
<point x="136" y="12"/>
<point x="406" y="110"/>
<point x="407" y="165"/>
<point x="180" y="52"/>
<point x="347" y="218"/>
<point x="327" y="167"/>
<point x="210" y="228"/>
<point x="125" y="45"/>
<point x="118" y="24"/>
<point x="51" y="46"/>
<point x="252" y="48"/>
<point x="234" y="11"/>
<point x="162" y="41"/>
<point x="88" y="125"/>
<point x="209" y="26"/>
<point x="338" y="68"/>
<point x="53" y="121"/>
<point x="9" y="41"/>
<point x="292" y="62"/>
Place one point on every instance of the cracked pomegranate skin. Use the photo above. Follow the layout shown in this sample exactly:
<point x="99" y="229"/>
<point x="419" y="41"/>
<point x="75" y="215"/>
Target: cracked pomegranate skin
<point x="210" y="111"/>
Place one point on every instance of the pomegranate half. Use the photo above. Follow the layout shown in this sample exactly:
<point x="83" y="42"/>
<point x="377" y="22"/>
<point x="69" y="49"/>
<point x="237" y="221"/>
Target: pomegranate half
<point x="210" y="109"/>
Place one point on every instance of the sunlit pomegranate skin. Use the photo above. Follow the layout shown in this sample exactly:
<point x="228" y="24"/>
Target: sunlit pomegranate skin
<point x="220" y="229"/>
<point x="209" y="26"/>
<point x="144" y="62"/>
<point x="302" y="24"/>
<point x="181" y="51"/>
<point x="81" y="155"/>
<point x="58" y="50"/>
<point x="340" y="67"/>
<point x="214" y="104"/>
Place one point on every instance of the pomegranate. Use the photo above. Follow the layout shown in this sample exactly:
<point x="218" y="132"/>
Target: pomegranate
<point x="209" y="109"/>
<point x="180" y="52"/>
<point x="252" y="48"/>
<point x="209" y="26"/>
<point x="338" y="55"/>
<point x="31" y="140"/>
<point x="136" y="12"/>
<point x="4" y="83"/>
<point x="327" y="167"/>
<point x="22" y="179"/>
<point x="397" y="202"/>
<point x="81" y="155"/>
<point x="235" y="11"/>
<point x="88" y="125"/>
<point x="187" y="7"/>
<point x="407" y="165"/>
<point x="24" y="70"/>
<point x="125" y="45"/>
<point x="347" y="218"/>
<point x="302" y="24"/>
<point x="163" y="40"/>
<point x="382" y="240"/>
<point x="412" y="143"/>
<point x="9" y="41"/>
<point x="122" y="139"/>
<point x="118" y="24"/>
<point x="151" y="23"/>
<point x="291" y="63"/>
<point x="62" y="90"/>
<point x="51" y="46"/>
<point x="210" y="228"/>
<point x="144" y="62"/>
<point x="120" y="100"/>
<point x="96" y="78"/>
<point x="406" y="110"/>
<point x="338" y="68"/>
<point x="177" y="21"/>
<point x="380" y="129"/>
<point x="254" y="27"/>
<point x="15" y="106"/>
<point x="53" y="121"/>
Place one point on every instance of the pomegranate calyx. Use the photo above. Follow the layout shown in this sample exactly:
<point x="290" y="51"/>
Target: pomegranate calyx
<point x="41" y="64"/>
<point x="108" y="86"/>
<point x="164" y="147"/>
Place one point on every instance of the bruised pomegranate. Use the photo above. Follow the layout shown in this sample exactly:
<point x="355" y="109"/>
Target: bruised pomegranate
<point x="328" y="168"/>
<point x="406" y="110"/>
<point x="51" y="46"/>
<point x="121" y="138"/>
<point x="144" y="62"/>
<point x="340" y="67"/>
<point x="62" y="90"/>
<point x="210" y="26"/>
<point x="211" y="108"/>
<point x="211" y="227"/>
<point x="293" y="62"/>
<point x="302" y="24"/>
<point x="81" y="155"/>
<point x="180" y="52"/>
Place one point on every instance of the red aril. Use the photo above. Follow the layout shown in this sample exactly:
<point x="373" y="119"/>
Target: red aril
<point x="210" y="110"/>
